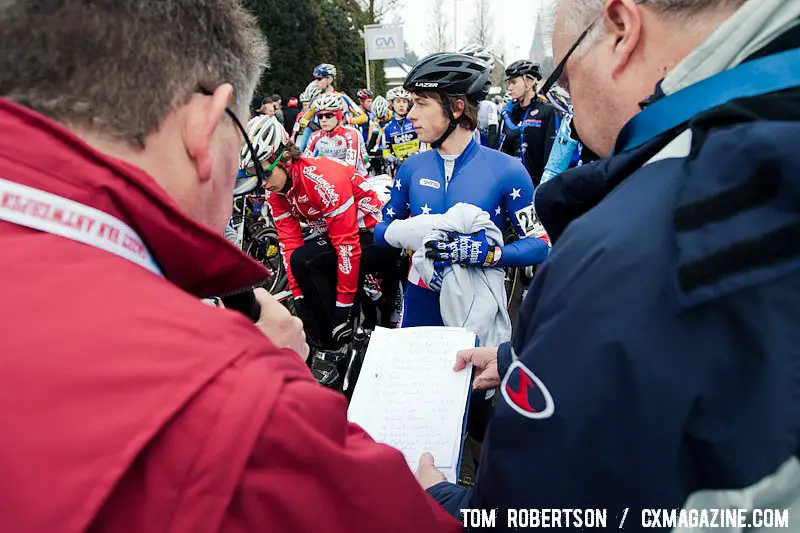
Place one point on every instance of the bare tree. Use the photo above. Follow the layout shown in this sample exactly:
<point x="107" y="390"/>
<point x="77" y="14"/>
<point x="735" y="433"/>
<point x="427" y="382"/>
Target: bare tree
<point x="378" y="9"/>
<point x="438" y="39"/>
<point x="482" y="25"/>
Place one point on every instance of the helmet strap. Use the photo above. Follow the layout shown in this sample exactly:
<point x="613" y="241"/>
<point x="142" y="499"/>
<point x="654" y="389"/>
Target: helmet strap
<point x="450" y="127"/>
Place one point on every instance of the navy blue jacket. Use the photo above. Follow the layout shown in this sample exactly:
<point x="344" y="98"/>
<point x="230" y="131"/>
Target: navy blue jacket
<point x="659" y="345"/>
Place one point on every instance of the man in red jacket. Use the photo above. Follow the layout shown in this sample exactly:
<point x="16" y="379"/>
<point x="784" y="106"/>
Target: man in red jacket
<point x="126" y="403"/>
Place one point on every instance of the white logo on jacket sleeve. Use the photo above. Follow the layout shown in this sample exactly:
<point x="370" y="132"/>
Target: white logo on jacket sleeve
<point x="425" y="182"/>
<point x="365" y="205"/>
<point x="345" y="253"/>
<point x="524" y="392"/>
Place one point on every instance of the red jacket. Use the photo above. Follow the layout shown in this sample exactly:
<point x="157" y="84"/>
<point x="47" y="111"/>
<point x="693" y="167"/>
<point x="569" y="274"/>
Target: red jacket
<point x="331" y="197"/>
<point x="127" y="405"/>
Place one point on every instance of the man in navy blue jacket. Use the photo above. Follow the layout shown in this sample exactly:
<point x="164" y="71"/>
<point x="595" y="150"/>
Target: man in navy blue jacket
<point x="656" y="362"/>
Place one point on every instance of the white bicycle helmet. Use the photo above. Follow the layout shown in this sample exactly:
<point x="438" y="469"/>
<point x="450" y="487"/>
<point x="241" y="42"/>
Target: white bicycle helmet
<point x="397" y="92"/>
<point x="479" y="52"/>
<point x="329" y="102"/>
<point x="310" y="93"/>
<point x="380" y="106"/>
<point x="268" y="138"/>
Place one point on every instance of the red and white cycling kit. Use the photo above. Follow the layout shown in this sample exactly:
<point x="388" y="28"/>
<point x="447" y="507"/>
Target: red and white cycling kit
<point x="331" y="197"/>
<point x="343" y="142"/>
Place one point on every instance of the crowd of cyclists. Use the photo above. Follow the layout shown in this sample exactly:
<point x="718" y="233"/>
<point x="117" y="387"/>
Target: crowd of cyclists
<point x="345" y="171"/>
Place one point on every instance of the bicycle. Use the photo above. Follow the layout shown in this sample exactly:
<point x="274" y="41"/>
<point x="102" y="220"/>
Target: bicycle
<point x="257" y="236"/>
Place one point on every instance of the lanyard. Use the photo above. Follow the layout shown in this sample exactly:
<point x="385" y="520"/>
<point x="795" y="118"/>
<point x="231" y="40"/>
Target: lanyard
<point x="43" y="211"/>
<point x="760" y="76"/>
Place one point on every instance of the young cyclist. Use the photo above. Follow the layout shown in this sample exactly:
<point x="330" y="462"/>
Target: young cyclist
<point x="488" y="114"/>
<point x="374" y="141"/>
<point x="400" y="138"/>
<point x="327" y="195"/>
<point x="446" y="89"/>
<point x="335" y="138"/>
<point x="365" y="98"/>
<point x="529" y="122"/>
<point x="324" y="76"/>
<point x="309" y="94"/>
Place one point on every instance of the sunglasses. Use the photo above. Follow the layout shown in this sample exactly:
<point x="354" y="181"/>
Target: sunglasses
<point x="327" y="115"/>
<point x="559" y="70"/>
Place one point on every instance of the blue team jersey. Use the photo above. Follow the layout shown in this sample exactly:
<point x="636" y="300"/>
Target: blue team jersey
<point x="491" y="180"/>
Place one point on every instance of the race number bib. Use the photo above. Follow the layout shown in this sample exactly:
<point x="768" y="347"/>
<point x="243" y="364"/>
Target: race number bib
<point x="529" y="222"/>
<point x="350" y="156"/>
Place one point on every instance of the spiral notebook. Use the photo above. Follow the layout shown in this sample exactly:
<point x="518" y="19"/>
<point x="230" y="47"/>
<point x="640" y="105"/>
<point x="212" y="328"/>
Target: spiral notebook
<point x="409" y="397"/>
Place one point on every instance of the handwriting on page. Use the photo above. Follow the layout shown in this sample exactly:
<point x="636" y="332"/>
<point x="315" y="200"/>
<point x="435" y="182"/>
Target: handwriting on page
<point x="408" y="395"/>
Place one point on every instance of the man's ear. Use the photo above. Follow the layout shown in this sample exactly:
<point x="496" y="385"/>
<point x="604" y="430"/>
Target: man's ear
<point x="458" y="110"/>
<point x="623" y="21"/>
<point x="203" y="114"/>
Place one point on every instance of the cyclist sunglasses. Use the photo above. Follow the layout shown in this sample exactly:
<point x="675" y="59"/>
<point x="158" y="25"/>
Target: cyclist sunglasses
<point x="267" y="172"/>
<point x="326" y="115"/>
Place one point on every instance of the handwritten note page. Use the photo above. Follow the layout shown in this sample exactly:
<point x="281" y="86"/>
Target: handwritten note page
<point x="408" y="396"/>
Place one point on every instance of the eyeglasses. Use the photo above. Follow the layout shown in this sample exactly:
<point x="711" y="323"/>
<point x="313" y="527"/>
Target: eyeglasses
<point x="326" y="115"/>
<point x="559" y="71"/>
<point x="260" y="173"/>
<point x="319" y="78"/>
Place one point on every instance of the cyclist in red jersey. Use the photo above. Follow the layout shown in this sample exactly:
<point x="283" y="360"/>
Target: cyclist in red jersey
<point x="333" y="199"/>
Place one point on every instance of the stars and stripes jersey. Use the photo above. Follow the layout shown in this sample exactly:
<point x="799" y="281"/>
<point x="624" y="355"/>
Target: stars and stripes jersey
<point x="491" y="180"/>
<point x="332" y="197"/>
<point x="343" y="142"/>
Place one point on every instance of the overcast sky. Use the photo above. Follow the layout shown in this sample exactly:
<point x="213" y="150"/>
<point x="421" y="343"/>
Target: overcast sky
<point x="514" y="21"/>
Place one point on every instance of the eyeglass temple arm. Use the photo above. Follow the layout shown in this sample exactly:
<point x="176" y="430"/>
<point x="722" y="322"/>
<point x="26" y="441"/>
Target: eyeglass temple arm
<point x="553" y="78"/>
<point x="250" y="148"/>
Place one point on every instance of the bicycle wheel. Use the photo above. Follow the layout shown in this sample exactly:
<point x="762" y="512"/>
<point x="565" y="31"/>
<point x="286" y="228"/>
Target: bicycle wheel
<point x="263" y="247"/>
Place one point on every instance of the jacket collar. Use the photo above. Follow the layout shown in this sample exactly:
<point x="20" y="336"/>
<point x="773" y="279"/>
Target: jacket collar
<point x="38" y="152"/>
<point x="465" y="157"/>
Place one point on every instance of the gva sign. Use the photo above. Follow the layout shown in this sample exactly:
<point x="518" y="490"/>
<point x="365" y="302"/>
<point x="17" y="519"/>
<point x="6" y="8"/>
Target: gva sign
<point x="385" y="42"/>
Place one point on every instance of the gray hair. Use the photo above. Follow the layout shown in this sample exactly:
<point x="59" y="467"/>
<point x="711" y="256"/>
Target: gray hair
<point x="583" y="12"/>
<point x="117" y="67"/>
